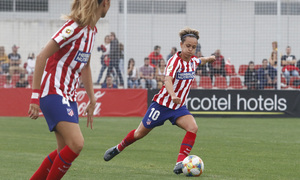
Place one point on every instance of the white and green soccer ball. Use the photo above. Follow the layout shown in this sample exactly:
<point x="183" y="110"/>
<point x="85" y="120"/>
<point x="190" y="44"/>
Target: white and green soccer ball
<point x="192" y="166"/>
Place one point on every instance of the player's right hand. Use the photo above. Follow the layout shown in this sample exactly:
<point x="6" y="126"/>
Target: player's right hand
<point x="176" y="100"/>
<point x="33" y="111"/>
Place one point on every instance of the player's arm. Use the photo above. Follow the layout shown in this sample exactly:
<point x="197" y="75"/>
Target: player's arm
<point x="86" y="77"/>
<point x="41" y="59"/>
<point x="170" y="89"/>
<point x="209" y="59"/>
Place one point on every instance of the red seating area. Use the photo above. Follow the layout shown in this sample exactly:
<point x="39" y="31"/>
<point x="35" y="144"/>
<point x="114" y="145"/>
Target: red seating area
<point x="231" y="81"/>
<point x="293" y="78"/>
<point x="220" y="82"/>
<point x="242" y="69"/>
<point x="14" y="79"/>
<point x="235" y="82"/>
<point x="205" y="82"/>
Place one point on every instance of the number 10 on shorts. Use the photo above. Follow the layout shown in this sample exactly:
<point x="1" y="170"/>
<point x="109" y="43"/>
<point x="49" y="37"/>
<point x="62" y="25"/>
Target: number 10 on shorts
<point x="154" y="114"/>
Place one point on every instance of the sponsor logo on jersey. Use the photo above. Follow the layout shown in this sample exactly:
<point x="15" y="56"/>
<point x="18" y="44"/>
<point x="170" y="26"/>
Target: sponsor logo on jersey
<point x="185" y="75"/>
<point x="67" y="32"/>
<point x="82" y="57"/>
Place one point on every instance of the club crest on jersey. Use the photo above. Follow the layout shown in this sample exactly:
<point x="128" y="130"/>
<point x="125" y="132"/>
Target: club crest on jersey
<point x="185" y="75"/>
<point x="169" y="69"/>
<point x="82" y="57"/>
<point x="67" y="32"/>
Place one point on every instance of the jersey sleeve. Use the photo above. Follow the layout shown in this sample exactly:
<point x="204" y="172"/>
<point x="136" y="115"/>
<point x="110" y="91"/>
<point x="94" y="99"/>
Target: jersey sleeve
<point x="197" y="60"/>
<point x="172" y="67"/>
<point x="66" y="34"/>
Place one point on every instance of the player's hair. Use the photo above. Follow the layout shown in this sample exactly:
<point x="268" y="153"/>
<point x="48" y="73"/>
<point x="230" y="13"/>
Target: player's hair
<point x="188" y="32"/>
<point x="83" y="12"/>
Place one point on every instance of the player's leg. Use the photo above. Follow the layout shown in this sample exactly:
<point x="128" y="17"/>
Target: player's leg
<point x="68" y="134"/>
<point x="131" y="137"/>
<point x="188" y="123"/>
<point x="46" y="165"/>
<point x="42" y="172"/>
<point x="155" y="116"/>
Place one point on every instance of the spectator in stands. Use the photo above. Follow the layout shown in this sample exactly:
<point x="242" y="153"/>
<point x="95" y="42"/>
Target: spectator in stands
<point x="198" y="49"/>
<point x="4" y="61"/>
<point x="173" y="51"/>
<point x="115" y="55"/>
<point x="267" y="75"/>
<point x="132" y="72"/>
<point x="22" y="83"/>
<point x="121" y="63"/>
<point x="147" y="75"/>
<point x="217" y="67"/>
<point x="30" y="63"/>
<point x="159" y="73"/>
<point x="288" y="63"/>
<point x="202" y="70"/>
<point x="8" y="83"/>
<point x="251" y="77"/>
<point x="15" y="61"/>
<point x="105" y="49"/>
<point x="298" y="64"/>
<point x="109" y="83"/>
<point x="155" y="56"/>
<point x="273" y="59"/>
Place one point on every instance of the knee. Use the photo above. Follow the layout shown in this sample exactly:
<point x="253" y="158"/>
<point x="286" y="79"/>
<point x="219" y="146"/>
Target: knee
<point x="77" y="145"/>
<point x="193" y="129"/>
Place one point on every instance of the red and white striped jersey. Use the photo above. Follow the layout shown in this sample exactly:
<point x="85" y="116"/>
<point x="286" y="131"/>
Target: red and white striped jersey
<point x="183" y="74"/>
<point x="63" y="69"/>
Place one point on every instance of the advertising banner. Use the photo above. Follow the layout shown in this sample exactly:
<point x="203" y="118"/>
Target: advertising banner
<point x="283" y="103"/>
<point x="110" y="102"/>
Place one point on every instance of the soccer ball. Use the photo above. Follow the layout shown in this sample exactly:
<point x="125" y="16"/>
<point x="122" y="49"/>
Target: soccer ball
<point x="192" y="166"/>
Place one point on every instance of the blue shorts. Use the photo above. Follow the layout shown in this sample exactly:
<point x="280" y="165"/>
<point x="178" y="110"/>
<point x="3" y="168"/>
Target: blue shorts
<point x="157" y="114"/>
<point x="57" y="108"/>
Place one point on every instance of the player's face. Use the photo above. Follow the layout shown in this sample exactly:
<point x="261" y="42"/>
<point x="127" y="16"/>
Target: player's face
<point x="188" y="47"/>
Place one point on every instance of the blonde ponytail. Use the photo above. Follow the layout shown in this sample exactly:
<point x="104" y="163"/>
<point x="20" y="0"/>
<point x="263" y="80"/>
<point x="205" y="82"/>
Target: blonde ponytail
<point x="83" y="12"/>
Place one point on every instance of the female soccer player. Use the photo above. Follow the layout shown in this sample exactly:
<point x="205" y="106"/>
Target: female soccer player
<point x="59" y="65"/>
<point x="169" y="103"/>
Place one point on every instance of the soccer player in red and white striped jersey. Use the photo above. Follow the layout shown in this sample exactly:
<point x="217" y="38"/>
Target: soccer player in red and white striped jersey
<point x="169" y="103"/>
<point x="59" y="65"/>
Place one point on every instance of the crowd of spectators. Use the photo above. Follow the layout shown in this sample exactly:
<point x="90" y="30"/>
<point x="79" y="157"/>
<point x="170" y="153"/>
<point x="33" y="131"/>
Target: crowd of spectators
<point x="11" y="68"/>
<point x="151" y="74"/>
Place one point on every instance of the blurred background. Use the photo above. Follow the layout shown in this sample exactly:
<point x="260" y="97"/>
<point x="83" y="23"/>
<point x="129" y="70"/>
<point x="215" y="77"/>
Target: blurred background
<point x="239" y="31"/>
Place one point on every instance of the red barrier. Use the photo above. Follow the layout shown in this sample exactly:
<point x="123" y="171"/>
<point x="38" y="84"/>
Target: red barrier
<point x="110" y="102"/>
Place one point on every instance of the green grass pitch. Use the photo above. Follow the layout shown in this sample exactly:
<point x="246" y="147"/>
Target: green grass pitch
<point x="231" y="148"/>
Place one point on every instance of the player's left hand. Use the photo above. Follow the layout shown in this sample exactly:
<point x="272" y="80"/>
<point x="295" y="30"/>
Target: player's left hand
<point x="33" y="111"/>
<point x="89" y="112"/>
<point x="211" y="59"/>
